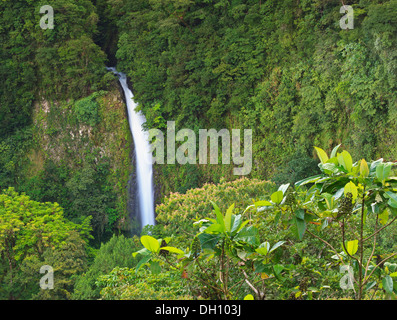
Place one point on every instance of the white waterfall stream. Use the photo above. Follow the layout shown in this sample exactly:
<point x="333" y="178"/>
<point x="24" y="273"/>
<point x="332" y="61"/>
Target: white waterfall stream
<point x="144" y="166"/>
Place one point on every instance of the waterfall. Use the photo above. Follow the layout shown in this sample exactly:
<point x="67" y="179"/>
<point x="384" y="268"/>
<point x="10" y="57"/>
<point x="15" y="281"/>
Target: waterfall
<point x="144" y="164"/>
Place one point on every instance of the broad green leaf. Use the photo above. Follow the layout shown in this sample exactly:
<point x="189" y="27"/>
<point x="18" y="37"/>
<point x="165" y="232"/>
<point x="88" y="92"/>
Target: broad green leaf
<point x="277" y="269"/>
<point x="351" y="247"/>
<point x="330" y="168"/>
<point x="263" y="203"/>
<point x="142" y="262"/>
<point x="208" y="240"/>
<point x="308" y="180"/>
<point x="167" y="239"/>
<point x="300" y="213"/>
<point x="393" y="274"/>
<point x="283" y="188"/>
<point x="235" y="223"/>
<point x="301" y="227"/>
<point x="351" y="187"/>
<point x="277" y="197"/>
<point x="228" y="218"/>
<point x="370" y="285"/>
<point x="364" y="170"/>
<point x="387" y="283"/>
<point x="172" y="249"/>
<point x="150" y="243"/>
<point x="321" y="155"/>
<point x="219" y="216"/>
<point x="324" y="224"/>
<point x="143" y="252"/>
<point x="263" y="249"/>
<point x="312" y="179"/>
<point x="248" y="234"/>
<point x="329" y="200"/>
<point x="260" y="267"/>
<point x="276" y="245"/>
<point x="334" y="150"/>
<point x="345" y="160"/>
<point x="214" y="228"/>
<point x="392" y="199"/>
<point x="383" y="217"/>
<point x="374" y="165"/>
<point x="382" y="171"/>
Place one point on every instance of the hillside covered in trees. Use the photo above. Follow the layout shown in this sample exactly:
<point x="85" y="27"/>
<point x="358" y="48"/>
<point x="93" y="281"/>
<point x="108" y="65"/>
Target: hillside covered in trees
<point x="320" y="199"/>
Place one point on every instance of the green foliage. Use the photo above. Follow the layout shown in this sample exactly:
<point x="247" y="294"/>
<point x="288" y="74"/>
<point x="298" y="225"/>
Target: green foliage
<point x="369" y="193"/>
<point x="33" y="234"/>
<point x="339" y="217"/>
<point x="177" y="211"/>
<point x="126" y="284"/>
<point x="117" y="252"/>
<point x="282" y="68"/>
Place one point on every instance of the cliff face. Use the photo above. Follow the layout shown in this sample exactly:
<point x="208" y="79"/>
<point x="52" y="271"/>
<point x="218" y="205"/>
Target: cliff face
<point x="83" y="158"/>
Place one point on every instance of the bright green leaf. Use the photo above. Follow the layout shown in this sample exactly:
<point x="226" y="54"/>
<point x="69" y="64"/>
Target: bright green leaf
<point x="208" y="241"/>
<point x="150" y="243"/>
<point x="172" y="249"/>
<point x="351" y="187"/>
<point x="383" y="217"/>
<point x="300" y="213"/>
<point x="263" y="249"/>
<point x="364" y="170"/>
<point x="143" y="251"/>
<point x="277" y="197"/>
<point x="219" y="216"/>
<point x="276" y="245"/>
<point x="283" y="188"/>
<point x="329" y="200"/>
<point x="321" y="155"/>
<point x="351" y="247"/>
<point x="345" y="160"/>
<point x="263" y="203"/>
<point x="334" y="150"/>
<point x="228" y="218"/>
<point x="214" y="228"/>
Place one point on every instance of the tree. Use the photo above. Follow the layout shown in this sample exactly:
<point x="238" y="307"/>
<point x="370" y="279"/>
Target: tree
<point x="34" y="232"/>
<point x="346" y="195"/>
<point x="117" y="252"/>
<point x="227" y="245"/>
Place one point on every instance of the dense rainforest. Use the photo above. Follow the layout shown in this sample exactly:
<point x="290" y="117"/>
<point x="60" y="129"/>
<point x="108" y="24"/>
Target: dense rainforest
<point x="313" y="219"/>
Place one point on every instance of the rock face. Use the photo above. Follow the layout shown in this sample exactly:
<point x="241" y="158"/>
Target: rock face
<point x="66" y="138"/>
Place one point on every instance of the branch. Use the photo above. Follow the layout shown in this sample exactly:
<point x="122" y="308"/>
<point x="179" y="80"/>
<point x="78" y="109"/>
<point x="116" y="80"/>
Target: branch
<point x="373" y="249"/>
<point x="380" y="229"/>
<point x="312" y="234"/>
<point x="250" y="285"/>
<point x="365" y="280"/>
<point x="343" y="242"/>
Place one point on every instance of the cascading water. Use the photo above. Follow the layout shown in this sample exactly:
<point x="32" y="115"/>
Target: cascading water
<point x="143" y="154"/>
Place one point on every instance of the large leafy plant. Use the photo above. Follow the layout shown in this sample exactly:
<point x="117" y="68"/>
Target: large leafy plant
<point x="228" y="244"/>
<point x="347" y="195"/>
